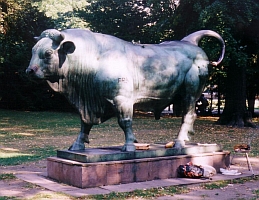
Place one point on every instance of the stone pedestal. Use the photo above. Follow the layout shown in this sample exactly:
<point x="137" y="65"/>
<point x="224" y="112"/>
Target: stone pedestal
<point x="109" y="166"/>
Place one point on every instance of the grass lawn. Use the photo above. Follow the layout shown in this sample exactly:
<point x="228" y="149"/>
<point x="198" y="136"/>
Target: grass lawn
<point x="31" y="136"/>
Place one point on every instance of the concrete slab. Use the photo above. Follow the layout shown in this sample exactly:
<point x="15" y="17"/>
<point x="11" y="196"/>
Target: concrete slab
<point x="40" y="179"/>
<point x="89" y="175"/>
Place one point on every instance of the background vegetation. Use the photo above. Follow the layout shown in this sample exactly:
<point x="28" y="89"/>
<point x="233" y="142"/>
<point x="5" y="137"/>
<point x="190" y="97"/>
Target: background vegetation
<point x="147" y="21"/>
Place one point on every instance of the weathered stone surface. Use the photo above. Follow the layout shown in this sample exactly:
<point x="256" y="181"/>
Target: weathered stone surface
<point x="93" y="174"/>
<point x="92" y="155"/>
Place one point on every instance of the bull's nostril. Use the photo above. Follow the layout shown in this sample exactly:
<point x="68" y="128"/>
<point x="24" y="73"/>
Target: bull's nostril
<point x="32" y="69"/>
<point x="29" y="71"/>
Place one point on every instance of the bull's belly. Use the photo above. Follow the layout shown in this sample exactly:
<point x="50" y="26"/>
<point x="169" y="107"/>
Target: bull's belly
<point x="152" y="104"/>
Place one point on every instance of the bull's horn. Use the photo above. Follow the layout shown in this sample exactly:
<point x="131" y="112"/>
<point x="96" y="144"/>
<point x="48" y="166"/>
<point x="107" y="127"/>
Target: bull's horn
<point x="53" y="34"/>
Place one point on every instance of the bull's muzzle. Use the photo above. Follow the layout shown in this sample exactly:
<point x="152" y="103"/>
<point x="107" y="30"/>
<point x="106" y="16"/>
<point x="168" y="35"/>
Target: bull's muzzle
<point x="31" y="70"/>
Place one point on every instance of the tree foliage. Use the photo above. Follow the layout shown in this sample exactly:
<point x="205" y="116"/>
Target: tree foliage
<point x="234" y="27"/>
<point x="147" y="21"/>
<point x="20" y="23"/>
<point x="138" y="20"/>
<point x="64" y="13"/>
<point x="233" y="20"/>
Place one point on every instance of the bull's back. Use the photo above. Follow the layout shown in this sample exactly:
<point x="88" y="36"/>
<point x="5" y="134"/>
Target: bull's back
<point x="162" y="68"/>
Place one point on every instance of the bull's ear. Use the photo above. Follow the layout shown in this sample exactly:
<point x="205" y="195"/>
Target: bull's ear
<point x="68" y="47"/>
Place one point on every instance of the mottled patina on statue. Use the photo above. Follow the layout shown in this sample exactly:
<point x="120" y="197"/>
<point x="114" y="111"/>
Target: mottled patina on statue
<point x="103" y="76"/>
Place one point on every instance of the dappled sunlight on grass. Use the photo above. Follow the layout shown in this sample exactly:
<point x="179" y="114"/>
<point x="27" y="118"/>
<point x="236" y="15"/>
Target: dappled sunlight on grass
<point x="32" y="153"/>
<point x="6" y="154"/>
<point x="51" y="196"/>
<point x="7" y="157"/>
<point x="42" y="133"/>
<point x="4" y="123"/>
<point x="226" y="136"/>
<point x="208" y="118"/>
<point x="9" y="149"/>
<point x="8" y="129"/>
<point x="25" y="134"/>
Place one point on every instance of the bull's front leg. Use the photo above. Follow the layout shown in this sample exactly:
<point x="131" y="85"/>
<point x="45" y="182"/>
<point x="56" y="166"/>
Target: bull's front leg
<point x="126" y="125"/>
<point x="125" y="113"/>
<point x="79" y="144"/>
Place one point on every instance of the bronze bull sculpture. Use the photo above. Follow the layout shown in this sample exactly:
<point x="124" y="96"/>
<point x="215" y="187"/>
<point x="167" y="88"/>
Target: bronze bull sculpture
<point x="103" y="76"/>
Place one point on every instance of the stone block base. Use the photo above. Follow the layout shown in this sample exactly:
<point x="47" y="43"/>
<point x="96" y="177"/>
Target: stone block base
<point x="85" y="175"/>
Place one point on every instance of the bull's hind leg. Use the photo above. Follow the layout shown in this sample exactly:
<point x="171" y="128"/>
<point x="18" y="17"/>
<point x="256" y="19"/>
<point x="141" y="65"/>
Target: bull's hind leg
<point x="125" y="112"/>
<point x="187" y="125"/>
<point x="188" y="119"/>
<point x="194" y="85"/>
<point x="79" y="144"/>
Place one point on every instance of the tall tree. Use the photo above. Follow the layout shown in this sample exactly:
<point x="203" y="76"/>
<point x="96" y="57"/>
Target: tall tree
<point x="231" y="19"/>
<point x="20" y="22"/>
<point x="252" y="40"/>
<point x="233" y="26"/>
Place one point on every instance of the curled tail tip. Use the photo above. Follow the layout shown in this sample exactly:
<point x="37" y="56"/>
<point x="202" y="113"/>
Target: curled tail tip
<point x="214" y="63"/>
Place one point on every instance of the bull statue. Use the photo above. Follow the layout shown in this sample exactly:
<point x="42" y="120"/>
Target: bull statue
<point x="103" y="76"/>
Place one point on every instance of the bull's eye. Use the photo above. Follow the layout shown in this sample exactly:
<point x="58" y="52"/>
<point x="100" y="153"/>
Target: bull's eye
<point x="48" y="53"/>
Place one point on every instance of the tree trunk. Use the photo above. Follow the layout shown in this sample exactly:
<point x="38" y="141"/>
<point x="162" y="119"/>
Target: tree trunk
<point x="251" y="99"/>
<point x="235" y="113"/>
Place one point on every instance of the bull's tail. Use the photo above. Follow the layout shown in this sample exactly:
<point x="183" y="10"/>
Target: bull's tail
<point x="195" y="37"/>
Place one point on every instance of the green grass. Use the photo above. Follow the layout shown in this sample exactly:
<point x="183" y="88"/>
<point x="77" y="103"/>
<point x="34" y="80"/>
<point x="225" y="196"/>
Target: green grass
<point x="147" y="194"/>
<point x="215" y="185"/>
<point x="15" y="158"/>
<point x="32" y="136"/>
<point x="256" y="192"/>
<point x="8" y="176"/>
<point x="57" y="195"/>
<point x="224" y="183"/>
<point x="8" y="198"/>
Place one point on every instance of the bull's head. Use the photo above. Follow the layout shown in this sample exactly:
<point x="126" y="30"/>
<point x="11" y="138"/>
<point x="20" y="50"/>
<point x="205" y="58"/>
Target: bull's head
<point x="49" y="54"/>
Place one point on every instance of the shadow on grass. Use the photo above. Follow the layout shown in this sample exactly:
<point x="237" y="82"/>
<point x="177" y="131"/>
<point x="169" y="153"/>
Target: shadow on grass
<point x="7" y="158"/>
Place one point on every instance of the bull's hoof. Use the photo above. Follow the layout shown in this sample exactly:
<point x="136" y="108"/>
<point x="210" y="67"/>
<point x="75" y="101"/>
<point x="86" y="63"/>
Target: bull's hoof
<point x="179" y="144"/>
<point x="77" y="147"/>
<point x="128" y="147"/>
<point x="185" y="138"/>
